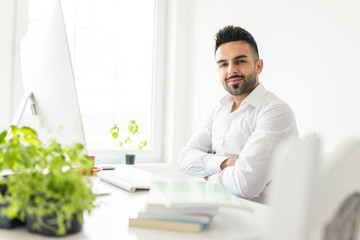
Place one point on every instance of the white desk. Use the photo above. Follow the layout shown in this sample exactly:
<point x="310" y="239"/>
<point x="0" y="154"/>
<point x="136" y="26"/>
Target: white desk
<point x="110" y="221"/>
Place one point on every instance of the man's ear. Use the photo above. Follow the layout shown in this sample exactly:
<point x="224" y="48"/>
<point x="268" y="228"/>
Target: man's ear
<point x="259" y="66"/>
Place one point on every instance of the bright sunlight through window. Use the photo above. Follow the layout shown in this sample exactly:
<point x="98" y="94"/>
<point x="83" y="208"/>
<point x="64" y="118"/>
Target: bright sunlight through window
<point x="111" y="43"/>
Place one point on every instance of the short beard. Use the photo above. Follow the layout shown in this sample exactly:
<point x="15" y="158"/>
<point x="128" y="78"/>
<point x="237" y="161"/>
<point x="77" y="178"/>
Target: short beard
<point x="247" y="84"/>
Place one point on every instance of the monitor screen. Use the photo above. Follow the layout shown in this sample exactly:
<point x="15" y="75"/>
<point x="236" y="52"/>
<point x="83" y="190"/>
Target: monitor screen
<point x="47" y="73"/>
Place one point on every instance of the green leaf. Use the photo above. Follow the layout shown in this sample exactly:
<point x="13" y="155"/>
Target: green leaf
<point x="28" y="132"/>
<point x="127" y="140"/>
<point x="115" y="128"/>
<point x="14" y="129"/>
<point x="2" y="137"/>
<point x="115" y="135"/>
<point x="60" y="222"/>
<point x="142" y="145"/>
<point x="121" y="144"/>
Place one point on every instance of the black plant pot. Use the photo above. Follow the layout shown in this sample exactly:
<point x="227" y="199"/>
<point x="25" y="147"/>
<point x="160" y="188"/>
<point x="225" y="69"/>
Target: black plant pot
<point x="130" y="159"/>
<point x="5" y="222"/>
<point x="33" y="226"/>
<point x="3" y="189"/>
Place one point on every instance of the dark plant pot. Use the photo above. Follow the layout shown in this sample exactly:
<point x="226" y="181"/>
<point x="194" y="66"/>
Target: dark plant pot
<point x="3" y="188"/>
<point x="130" y="159"/>
<point x="5" y="222"/>
<point x="33" y="226"/>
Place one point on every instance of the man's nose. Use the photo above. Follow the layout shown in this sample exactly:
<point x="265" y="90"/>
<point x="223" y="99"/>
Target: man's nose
<point x="232" y="69"/>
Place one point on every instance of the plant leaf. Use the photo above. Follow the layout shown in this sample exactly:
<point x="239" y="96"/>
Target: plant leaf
<point x="136" y="128"/>
<point x="2" y="137"/>
<point x="142" y="144"/>
<point x="115" y="128"/>
<point x="115" y="135"/>
<point x="28" y="132"/>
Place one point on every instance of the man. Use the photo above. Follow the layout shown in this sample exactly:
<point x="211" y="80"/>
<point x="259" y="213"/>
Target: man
<point x="235" y="147"/>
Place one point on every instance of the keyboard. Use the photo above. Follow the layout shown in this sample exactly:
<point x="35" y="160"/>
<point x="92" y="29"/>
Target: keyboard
<point x="127" y="178"/>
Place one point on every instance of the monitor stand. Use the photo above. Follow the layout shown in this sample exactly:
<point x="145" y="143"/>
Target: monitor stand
<point x="29" y="97"/>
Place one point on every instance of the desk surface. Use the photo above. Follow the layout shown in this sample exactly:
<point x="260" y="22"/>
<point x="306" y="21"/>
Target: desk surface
<point x="110" y="221"/>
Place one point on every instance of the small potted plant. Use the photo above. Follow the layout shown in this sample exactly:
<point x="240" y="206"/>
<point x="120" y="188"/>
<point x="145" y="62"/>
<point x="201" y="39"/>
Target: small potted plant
<point x="133" y="129"/>
<point x="50" y="185"/>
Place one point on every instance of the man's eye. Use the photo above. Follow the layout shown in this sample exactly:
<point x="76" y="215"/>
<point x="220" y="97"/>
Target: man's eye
<point x="222" y="65"/>
<point x="240" y="61"/>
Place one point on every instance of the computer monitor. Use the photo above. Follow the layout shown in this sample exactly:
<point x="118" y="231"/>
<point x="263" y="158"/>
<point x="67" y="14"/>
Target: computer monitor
<point x="47" y="74"/>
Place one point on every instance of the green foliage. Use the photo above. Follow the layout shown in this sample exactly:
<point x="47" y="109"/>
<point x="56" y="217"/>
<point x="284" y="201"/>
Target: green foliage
<point x="48" y="180"/>
<point x="133" y="129"/>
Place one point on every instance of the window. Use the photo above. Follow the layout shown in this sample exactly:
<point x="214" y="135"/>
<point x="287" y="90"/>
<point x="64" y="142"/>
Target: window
<point x="112" y="48"/>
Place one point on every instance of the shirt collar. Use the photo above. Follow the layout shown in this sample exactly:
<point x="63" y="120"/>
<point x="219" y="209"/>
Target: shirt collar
<point x="254" y="98"/>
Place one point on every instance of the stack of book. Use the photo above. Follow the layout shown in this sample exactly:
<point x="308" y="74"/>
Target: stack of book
<point x="187" y="206"/>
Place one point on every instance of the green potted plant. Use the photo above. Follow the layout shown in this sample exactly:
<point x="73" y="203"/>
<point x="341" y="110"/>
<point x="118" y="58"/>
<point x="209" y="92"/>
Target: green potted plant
<point x="50" y="185"/>
<point x="133" y="130"/>
<point x="5" y="222"/>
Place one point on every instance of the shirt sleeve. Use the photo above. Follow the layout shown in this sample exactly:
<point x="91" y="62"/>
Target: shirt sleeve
<point x="250" y="175"/>
<point x="196" y="158"/>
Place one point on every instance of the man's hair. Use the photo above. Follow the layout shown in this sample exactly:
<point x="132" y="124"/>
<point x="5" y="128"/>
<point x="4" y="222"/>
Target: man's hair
<point x="232" y="34"/>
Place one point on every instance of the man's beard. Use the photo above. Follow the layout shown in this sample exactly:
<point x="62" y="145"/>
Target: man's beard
<point x="248" y="82"/>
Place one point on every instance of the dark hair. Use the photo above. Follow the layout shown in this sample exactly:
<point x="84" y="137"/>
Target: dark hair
<point x="232" y="34"/>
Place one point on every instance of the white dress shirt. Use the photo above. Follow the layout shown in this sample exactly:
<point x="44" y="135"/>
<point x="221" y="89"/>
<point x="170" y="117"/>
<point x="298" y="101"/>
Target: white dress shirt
<point x="249" y="134"/>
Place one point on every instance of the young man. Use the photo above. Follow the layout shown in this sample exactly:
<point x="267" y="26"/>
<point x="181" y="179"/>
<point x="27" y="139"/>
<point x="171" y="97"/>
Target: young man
<point x="235" y="147"/>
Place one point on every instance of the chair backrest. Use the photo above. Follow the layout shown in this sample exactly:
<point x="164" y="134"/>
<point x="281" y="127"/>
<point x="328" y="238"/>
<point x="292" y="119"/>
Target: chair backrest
<point x="317" y="200"/>
<point x="335" y="205"/>
<point x="292" y="187"/>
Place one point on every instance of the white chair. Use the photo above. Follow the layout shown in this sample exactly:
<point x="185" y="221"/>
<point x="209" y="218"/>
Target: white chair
<point x="314" y="199"/>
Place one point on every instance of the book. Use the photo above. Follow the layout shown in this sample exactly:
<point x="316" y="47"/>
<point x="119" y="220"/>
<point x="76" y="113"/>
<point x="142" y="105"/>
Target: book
<point x="184" y="206"/>
<point x="169" y="214"/>
<point x="160" y="209"/>
<point x="182" y="226"/>
<point x="194" y="194"/>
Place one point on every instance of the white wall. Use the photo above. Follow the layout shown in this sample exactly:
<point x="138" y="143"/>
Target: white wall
<point x="13" y="19"/>
<point x="311" y="55"/>
<point x="6" y="73"/>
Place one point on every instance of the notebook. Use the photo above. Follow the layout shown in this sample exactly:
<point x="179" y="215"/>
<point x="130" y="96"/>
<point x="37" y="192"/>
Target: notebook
<point x="194" y="194"/>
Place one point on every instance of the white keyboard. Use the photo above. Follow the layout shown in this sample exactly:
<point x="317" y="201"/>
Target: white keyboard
<point x="129" y="179"/>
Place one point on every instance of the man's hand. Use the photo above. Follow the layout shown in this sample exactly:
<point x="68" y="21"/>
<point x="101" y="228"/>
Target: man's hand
<point x="228" y="162"/>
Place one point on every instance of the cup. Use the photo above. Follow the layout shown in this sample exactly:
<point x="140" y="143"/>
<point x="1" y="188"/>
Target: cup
<point x="94" y="169"/>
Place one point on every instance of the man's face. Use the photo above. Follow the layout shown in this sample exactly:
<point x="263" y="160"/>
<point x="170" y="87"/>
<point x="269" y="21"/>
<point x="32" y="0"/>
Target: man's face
<point x="238" y="69"/>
